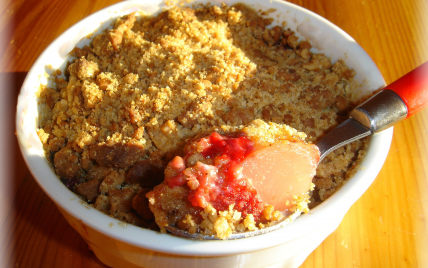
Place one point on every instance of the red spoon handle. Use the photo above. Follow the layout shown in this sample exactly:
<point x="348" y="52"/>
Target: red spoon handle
<point x="413" y="89"/>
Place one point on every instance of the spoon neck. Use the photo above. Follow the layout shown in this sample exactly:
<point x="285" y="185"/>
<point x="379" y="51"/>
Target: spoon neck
<point x="345" y="133"/>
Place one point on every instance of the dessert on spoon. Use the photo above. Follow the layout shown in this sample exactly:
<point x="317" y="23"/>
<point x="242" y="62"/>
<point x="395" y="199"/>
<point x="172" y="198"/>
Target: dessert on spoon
<point x="232" y="181"/>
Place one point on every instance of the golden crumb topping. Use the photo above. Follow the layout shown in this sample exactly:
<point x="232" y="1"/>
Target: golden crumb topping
<point x="129" y="102"/>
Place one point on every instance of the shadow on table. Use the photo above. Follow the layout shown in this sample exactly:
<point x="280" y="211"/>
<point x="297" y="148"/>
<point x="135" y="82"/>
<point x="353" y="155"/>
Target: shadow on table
<point x="33" y="233"/>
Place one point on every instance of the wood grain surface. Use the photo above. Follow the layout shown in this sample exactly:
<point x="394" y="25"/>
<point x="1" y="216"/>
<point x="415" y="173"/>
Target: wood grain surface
<point x="386" y="227"/>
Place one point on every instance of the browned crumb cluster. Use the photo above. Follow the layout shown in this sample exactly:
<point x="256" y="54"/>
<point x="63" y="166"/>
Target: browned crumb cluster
<point x="130" y="101"/>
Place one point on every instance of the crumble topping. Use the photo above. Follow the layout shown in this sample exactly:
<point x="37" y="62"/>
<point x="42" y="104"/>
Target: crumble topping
<point x="129" y="102"/>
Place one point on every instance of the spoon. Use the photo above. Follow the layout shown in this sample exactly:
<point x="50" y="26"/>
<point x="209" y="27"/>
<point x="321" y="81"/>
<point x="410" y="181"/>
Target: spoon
<point x="397" y="101"/>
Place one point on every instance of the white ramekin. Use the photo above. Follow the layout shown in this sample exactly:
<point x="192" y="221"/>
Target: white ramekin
<point x="122" y="245"/>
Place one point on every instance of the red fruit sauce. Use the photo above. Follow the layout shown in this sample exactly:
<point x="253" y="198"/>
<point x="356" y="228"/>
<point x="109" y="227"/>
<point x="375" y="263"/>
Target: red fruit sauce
<point x="221" y="183"/>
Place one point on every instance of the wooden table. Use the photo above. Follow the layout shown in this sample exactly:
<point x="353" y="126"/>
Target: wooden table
<point x="387" y="227"/>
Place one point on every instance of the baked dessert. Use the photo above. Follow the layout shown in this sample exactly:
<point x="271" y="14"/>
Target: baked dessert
<point x="130" y="101"/>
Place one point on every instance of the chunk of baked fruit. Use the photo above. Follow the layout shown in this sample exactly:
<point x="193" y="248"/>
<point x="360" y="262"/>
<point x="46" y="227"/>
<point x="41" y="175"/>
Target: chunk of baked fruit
<point x="236" y="179"/>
